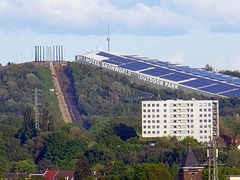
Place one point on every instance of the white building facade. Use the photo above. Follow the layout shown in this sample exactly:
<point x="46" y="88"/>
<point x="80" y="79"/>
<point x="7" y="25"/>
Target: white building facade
<point x="181" y="118"/>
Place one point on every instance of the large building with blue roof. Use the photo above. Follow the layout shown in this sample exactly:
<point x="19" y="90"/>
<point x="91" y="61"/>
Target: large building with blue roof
<point x="161" y="74"/>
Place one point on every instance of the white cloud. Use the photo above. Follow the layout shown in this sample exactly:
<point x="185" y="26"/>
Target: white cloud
<point x="177" y="59"/>
<point x="212" y="12"/>
<point x="163" y="15"/>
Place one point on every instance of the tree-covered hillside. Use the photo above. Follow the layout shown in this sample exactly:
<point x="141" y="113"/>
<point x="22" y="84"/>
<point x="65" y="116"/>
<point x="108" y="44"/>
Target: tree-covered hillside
<point x="113" y="145"/>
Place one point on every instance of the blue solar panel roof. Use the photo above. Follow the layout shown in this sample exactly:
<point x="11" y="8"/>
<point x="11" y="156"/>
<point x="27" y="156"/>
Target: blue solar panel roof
<point x="136" y="66"/>
<point x="196" y="78"/>
<point x="104" y="54"/>
<point x="157" y="71"/>
<point x="219" y="87"/>
<point x="199" y="82"/>
<point x="178" y="76"/>
<point x="111" y="61"/>
<point x="232" y="93"/>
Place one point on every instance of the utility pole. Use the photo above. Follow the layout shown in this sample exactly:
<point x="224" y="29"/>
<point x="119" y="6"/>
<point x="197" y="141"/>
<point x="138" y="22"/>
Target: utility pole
<point x="37" y="107"/>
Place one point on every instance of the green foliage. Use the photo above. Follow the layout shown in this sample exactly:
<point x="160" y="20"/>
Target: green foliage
<point x="57" y="147"/>
<point x="24" y="167"/>
<point x="82" y="168"/>
<point x="28" y="130"/>
<point x="151" y="172"/>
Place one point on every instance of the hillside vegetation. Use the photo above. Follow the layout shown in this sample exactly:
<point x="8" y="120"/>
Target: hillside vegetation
<point x="113" y="145"/>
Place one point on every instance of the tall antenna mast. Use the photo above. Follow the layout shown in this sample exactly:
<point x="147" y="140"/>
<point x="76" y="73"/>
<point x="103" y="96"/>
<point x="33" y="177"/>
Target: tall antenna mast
<point x="108" y="39"/>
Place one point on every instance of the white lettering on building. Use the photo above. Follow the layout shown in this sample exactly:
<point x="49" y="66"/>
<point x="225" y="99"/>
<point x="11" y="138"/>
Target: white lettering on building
<point x="127" y="72"/>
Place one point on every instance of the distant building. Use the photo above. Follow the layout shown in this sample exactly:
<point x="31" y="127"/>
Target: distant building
<point x="233" y="177"/>
<point x="159" y="74"/>
<point x="195" y="118"/>
<point x="190" y="168"/>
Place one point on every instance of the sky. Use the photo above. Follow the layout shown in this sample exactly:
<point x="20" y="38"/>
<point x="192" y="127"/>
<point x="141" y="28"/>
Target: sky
<point x="187" y="32"/>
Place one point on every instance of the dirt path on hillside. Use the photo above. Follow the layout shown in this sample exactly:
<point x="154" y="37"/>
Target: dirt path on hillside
<point x="68" y="92"/>
<point x="61" y="101"/>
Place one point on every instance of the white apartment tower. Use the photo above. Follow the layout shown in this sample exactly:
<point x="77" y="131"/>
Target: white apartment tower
<point x="195" y="118"/>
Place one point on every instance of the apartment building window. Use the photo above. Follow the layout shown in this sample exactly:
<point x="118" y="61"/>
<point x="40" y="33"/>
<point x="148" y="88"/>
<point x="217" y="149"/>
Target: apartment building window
<point x="209" y="115"/>
<point x="149" y="121"/>
<point x="165" y="121"/>
<point x="144" y="127"/>
<point x="144" y="116"/>
<point x="153" y="132"/>
<point x="192" y="126"/>
<point x="144" y="121"/>
<point x="157" y="115"/>
<point x="174" y="126"/>
<point x="149" y="132"/>
<point x="149" y="116"/>
<point x="200" y="126"/>
<point x="209" y="120"/>
<point x="148" y="105"/>
<point x="157" y="105"/>
<point x="191" y="120"/>
<point x="149" y="127"/>
<point x="200" y="110"/>
<point x="158" y="127"/>
<point x="153" y="127"/>
<point x="158" y="132"/>
<point x="165" y="132"/>
<point x="144" y="132"/>
<point x="200" y="120"/>
<point x="153" y="121"/>
<point x="153" y="105"/>
<point x="165" y="105"/>
<point x="165" y="127"/>
<point x="205" y="110"/>
<point x="200" y="115"/>
<point x="175" y="132"/>
<point x="165" y="115"/>
<point x="191" y="105"/>
<point x="209" y="110"/>
<point x="153" y="116"/>
<point x="191" y="110"/>
<point x="200" y="131"/>
<point x="157" y="110"/>
<point x="144" y="110"/>
<point x="158" y="121"/>
<point x="165" y="110"/>
<point x="205" y="131"/>
<point x="144" y="105"/>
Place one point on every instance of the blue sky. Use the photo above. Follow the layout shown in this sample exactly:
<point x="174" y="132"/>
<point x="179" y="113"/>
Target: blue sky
<point x="193" y="33"/>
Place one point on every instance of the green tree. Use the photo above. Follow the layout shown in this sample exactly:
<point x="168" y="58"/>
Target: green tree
<point x="56" y="147"/>
<point x="82" y="168"/>
<point x="24" y="167"/>
<point x="151" y="172"/>
<point x="208" y="68"/>
<point x="28" y="130"/>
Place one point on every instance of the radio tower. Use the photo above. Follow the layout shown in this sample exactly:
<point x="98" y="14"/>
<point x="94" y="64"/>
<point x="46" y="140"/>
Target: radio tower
<point x="108" y="39"/>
